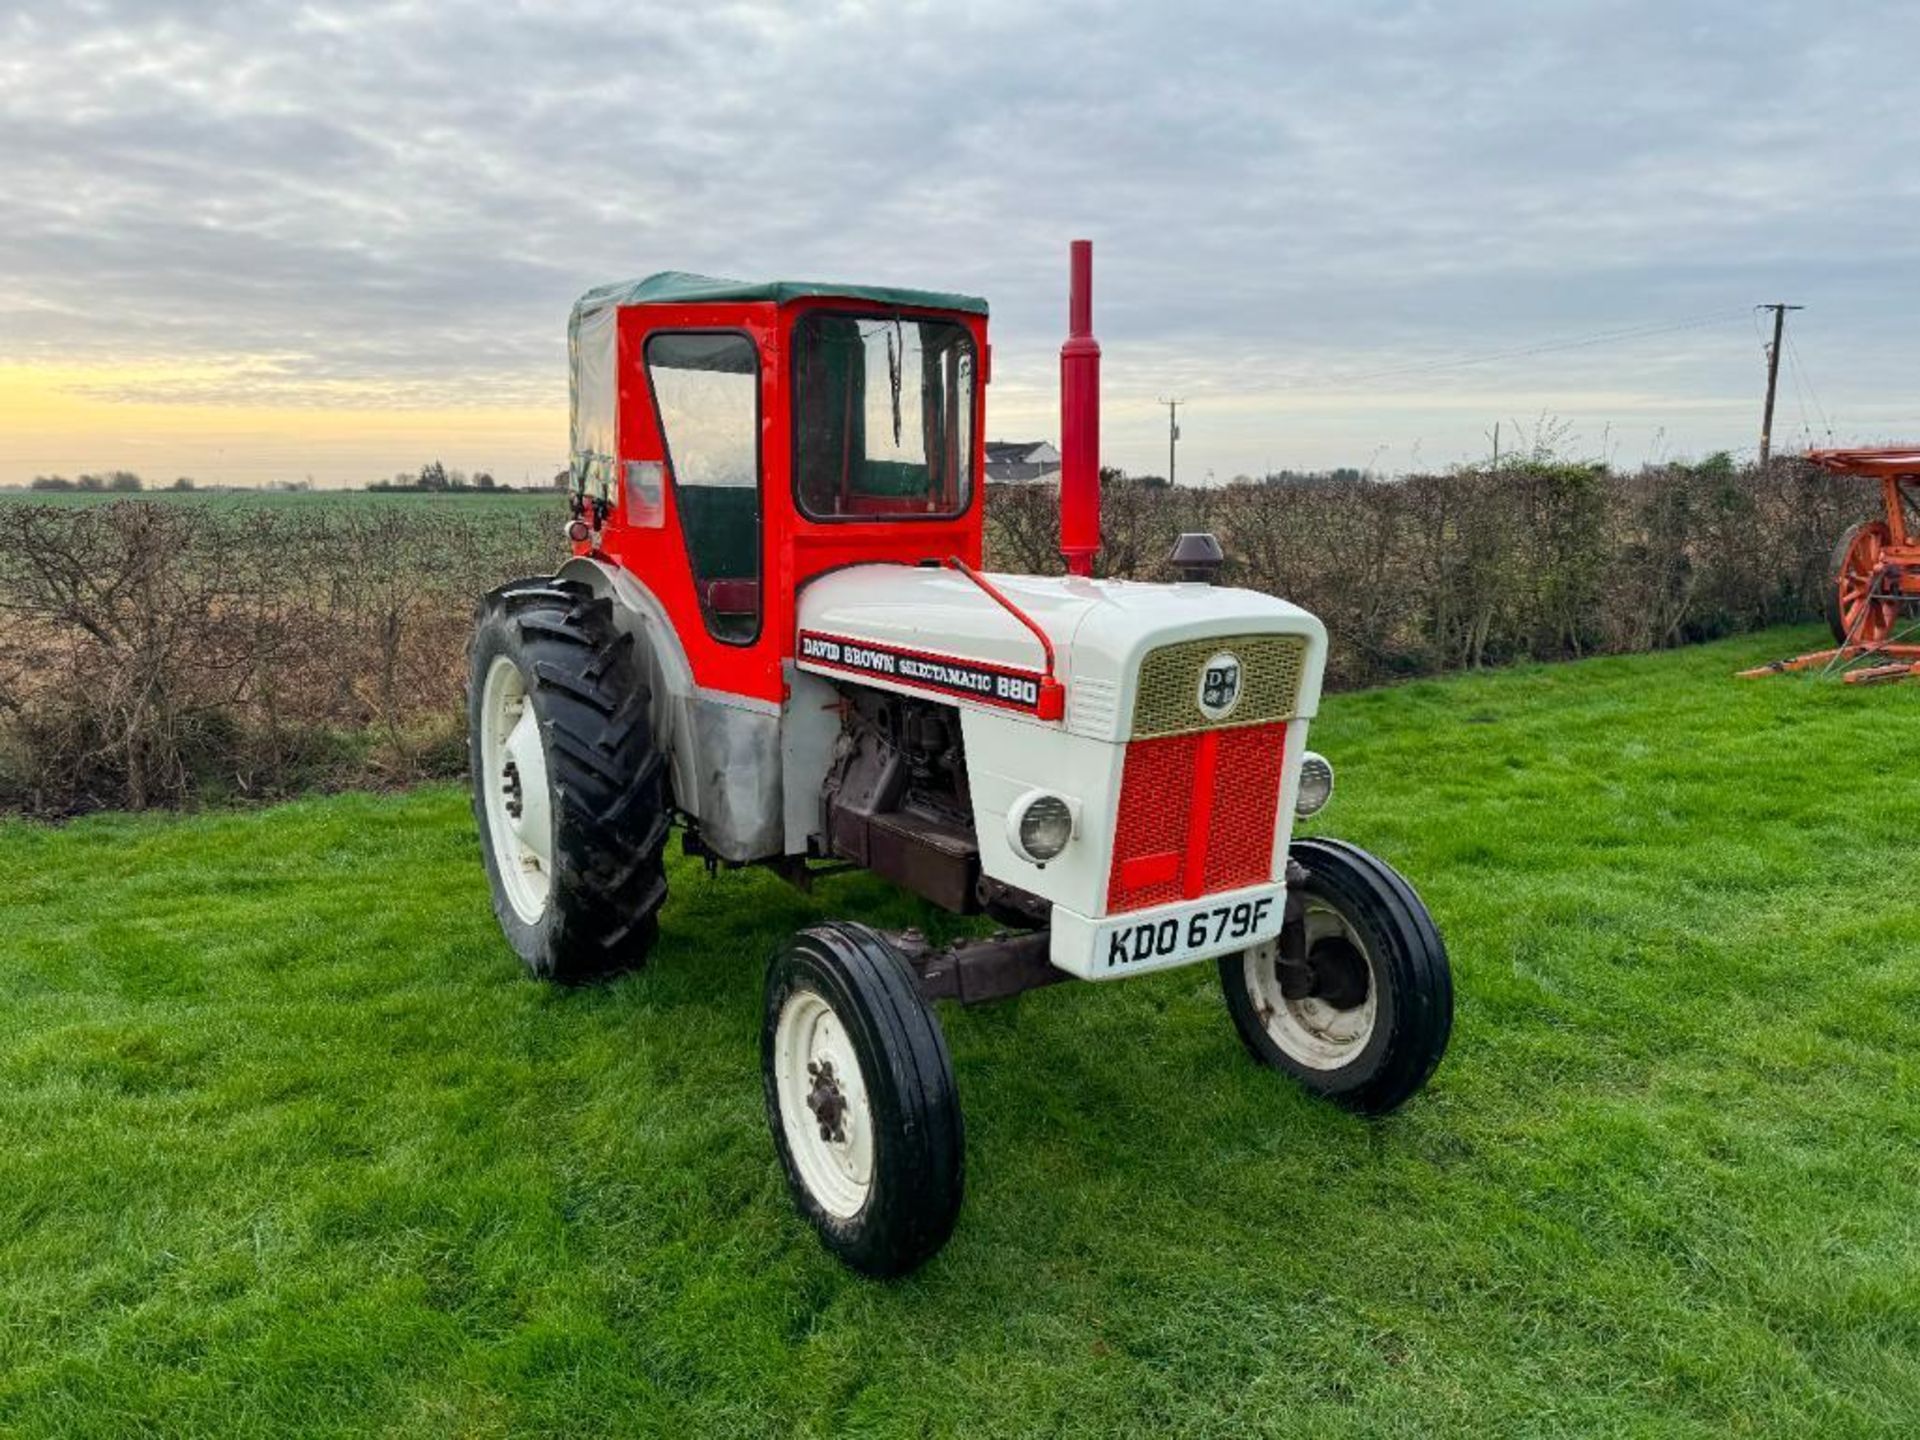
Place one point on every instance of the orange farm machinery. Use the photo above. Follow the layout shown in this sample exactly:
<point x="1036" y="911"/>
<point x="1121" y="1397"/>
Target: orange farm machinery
<point x="1875" y="575"/>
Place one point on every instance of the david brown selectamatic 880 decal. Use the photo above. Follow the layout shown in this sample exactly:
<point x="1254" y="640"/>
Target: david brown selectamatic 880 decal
<point x="992" y="684"/>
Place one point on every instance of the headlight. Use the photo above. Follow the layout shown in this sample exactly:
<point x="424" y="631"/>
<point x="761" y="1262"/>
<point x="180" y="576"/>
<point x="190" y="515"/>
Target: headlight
<point x="1040" y="825"/>
<point x="1316" y="785"/>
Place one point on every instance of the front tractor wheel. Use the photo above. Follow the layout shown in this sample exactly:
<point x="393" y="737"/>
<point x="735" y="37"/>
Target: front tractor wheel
<point x="861" y="1099"/>
<point x="568" y="789"/>
<point x="1355" y="1000"/>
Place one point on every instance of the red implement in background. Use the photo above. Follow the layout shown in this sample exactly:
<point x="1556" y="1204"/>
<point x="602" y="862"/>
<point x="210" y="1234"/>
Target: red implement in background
<point x="1875" y="574"/>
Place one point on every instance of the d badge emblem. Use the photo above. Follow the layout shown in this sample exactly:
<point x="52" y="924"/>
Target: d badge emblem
<point x="1219" y="686"/>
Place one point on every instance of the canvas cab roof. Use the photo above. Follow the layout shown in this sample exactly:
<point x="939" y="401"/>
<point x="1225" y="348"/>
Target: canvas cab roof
<point x="679" y="287"/>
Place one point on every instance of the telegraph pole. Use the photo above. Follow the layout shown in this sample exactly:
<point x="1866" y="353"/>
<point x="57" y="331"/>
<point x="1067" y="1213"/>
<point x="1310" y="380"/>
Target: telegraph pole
<point x="1173" y="432"/>
<point x="1773" y="376"/>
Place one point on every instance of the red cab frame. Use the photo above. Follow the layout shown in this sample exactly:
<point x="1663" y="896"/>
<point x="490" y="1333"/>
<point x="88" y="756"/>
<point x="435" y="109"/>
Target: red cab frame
<point x="794" y="548"/>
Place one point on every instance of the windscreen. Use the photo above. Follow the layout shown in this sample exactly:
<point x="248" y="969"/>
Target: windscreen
<point x="883" y="416"/>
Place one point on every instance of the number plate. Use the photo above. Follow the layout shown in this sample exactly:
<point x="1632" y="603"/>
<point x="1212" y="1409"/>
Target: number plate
<point x="1161" y="938"/>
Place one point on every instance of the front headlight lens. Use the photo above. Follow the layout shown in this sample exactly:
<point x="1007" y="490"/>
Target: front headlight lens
<point x="1316" y="785"/>
<point x="1043" y="824"/>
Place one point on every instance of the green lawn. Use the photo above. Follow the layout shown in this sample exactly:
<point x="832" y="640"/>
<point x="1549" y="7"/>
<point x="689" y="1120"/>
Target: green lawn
<point x="288" y="1145"/>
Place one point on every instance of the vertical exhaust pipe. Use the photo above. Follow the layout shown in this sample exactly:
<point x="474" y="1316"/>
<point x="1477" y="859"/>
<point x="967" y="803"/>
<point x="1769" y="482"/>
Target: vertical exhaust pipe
<point x="1080" y="421"/>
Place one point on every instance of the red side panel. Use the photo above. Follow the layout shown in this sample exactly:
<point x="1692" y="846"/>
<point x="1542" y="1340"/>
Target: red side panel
<point x="1196" y="816"/>
<point x="658" y="556"/>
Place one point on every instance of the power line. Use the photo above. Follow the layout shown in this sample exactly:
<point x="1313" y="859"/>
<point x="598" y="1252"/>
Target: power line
<point x="1799" y="397"/>
<point x="1800" y="369"/>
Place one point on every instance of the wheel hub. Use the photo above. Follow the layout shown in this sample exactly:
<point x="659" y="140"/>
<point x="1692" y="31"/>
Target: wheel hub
<point x="1339" y="973"/>
<point x="827" y="1101"/>
<point x="1314" y="988"/>
<point x="510" y="788"/>
<point x="825" y="1111"/>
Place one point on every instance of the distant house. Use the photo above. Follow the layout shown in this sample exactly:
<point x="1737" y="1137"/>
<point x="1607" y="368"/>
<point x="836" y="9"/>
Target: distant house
<point x="1022" y="462"/>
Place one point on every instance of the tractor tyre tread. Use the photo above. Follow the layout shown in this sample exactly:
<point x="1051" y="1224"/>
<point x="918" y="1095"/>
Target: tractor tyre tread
<point x="610" y="808"/>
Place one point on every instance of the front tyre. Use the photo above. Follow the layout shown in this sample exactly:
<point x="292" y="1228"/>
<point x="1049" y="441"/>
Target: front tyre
<point x="568" y="789"/>
<point x="861" y="1099"/>
<point x="1356" y="1000"/>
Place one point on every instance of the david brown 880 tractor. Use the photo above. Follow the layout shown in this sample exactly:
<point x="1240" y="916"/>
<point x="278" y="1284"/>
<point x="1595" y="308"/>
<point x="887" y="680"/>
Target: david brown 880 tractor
<point x="773" y="632"/>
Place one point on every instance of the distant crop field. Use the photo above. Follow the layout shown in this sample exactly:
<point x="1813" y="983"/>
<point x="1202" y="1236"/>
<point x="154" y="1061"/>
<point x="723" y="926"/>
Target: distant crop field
<point x="460" y="502"/>
<point x="290" y="1145"/>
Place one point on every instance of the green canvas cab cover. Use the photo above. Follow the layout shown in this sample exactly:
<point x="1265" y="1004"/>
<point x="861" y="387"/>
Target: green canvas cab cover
<point x="679" y="287"/>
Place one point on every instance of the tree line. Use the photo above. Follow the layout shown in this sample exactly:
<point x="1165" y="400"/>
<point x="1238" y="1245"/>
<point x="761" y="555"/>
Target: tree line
<point x="434" y="477"/>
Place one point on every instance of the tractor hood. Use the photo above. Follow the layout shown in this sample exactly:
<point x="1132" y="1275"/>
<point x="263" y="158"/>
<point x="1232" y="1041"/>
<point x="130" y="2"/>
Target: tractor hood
<point x="935" y="633"/>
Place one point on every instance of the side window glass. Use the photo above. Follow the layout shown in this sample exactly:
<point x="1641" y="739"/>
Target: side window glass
<point x="706" y="391"/>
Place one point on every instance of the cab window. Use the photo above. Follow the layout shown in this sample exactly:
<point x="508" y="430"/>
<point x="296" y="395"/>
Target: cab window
<point x="706" y="391"/>
<point x="883" y="416"/>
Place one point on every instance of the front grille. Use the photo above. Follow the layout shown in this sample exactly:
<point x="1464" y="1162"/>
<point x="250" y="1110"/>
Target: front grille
<point x="1169" y="698"/>
<point x="1196" y="815"/>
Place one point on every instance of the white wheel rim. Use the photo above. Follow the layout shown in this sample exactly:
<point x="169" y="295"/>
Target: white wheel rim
<point x="513" y="784"/>
<point x="1308" y="1030"/>
<point x="831" y="1138"/>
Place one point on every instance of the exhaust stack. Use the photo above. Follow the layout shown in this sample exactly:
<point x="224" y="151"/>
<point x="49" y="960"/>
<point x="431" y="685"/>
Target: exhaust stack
<point x="1080" y="421"/>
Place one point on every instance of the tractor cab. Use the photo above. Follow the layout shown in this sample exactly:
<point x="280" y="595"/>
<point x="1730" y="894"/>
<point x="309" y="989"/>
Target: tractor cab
<point x="731" y="441"/>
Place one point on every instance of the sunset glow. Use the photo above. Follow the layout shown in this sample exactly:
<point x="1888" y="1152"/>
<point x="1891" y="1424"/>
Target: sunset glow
<point x="72" y="419"/>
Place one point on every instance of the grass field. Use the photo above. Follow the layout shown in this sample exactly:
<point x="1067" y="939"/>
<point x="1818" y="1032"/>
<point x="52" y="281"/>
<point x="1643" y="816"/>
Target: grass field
<point x="287" y="1145"/>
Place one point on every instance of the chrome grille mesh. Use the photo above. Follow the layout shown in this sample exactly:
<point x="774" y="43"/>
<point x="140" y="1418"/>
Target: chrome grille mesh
<point x="1169" y="698"/>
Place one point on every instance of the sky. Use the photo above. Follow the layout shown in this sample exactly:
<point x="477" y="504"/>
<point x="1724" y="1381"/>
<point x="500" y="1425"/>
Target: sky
<point x="263" y="242"/>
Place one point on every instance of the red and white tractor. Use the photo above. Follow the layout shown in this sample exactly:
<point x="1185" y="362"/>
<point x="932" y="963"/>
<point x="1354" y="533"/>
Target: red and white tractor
<point x="774" y="633"/>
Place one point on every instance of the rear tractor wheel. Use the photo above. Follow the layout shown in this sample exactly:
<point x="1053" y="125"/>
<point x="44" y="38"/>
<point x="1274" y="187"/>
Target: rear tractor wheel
<point x="568" y="789"/>
<point x="1355" y="1001"/>
<point x="1854" y="615"/>
<point x="861" y="1099"/>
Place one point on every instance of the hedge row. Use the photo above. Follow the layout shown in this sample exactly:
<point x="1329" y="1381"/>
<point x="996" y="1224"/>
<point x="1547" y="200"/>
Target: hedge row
<point x="158" y="655"/>
<point x="1536" y="561"/>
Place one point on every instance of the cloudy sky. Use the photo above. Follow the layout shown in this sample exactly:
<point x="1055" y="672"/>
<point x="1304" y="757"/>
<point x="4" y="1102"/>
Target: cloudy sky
<point x="257" y="242"/>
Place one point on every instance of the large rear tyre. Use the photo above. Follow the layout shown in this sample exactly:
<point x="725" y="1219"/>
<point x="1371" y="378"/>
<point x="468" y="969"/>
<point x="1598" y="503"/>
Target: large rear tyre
<point x="861" y="1099"/>
<point x="1854" y="617"/>
<point x="1356" y="1000"/>
<point x="568" y="789"/>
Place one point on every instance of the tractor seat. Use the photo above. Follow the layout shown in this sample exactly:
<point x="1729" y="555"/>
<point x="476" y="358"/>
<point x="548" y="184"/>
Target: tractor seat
<point x="731" y="597"/>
